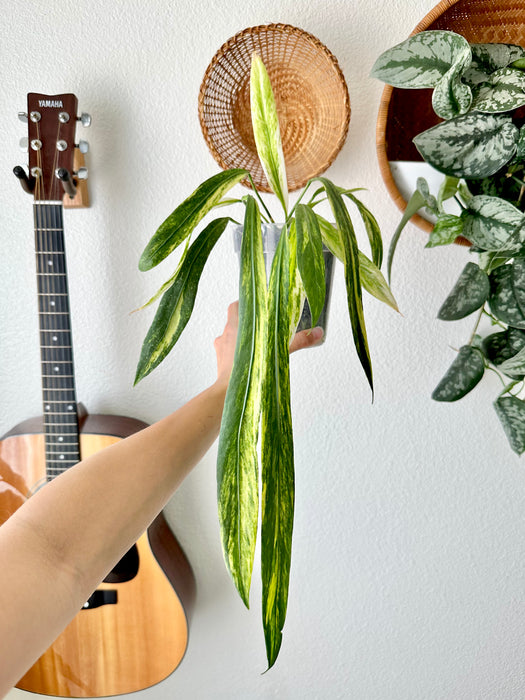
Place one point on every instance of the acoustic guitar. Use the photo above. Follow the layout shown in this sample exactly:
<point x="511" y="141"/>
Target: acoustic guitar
<point x="133" y="630"/>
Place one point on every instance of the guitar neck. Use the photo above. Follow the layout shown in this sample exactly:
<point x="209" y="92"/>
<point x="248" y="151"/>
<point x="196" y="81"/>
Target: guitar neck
<point x="60" y="412"/>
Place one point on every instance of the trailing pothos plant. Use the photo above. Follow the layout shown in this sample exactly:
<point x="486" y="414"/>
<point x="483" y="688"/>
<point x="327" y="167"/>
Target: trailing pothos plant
<point x="478" y="92"/>
<point x="258" y="395"/>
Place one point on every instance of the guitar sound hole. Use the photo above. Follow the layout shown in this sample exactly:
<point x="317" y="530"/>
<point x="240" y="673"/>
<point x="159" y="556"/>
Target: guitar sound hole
<point x="126" y="569"/>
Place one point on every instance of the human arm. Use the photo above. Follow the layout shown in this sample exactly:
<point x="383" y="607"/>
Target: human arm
<point x="59" y="545"/>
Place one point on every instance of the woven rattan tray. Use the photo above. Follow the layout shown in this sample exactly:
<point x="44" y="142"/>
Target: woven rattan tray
<point x="405" y="113"/>
<point x="310" y="93"/>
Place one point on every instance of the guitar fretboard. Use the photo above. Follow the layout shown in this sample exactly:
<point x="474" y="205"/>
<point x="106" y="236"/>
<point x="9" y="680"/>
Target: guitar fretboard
<point x="58" y="382"/>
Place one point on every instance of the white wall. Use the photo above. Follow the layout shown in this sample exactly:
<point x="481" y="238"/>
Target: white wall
<point x="408" y="571"/>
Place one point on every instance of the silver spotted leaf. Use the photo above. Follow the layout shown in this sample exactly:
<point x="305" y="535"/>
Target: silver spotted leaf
<point x="472" y="146"/>
<point x="502" y="92"/>
<point x="451" y="97"/>
<point x="488" y="58"/>
<point x="494" y="224"/>
<point x="502" y="346"/>
<point x="422" y="60"/>
<point x="462" y="376"/>
<point x="503" y="299"/>
<point x="446" y="229"/>
<point x="511" y="412"/>
<point x="514" y="366"/>
<point x="470" y="292"/>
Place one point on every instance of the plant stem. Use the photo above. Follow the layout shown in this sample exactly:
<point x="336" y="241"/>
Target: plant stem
<point x="299" y="200"/>
<point x="473" y="334"/>
<point x="270" y="217"/>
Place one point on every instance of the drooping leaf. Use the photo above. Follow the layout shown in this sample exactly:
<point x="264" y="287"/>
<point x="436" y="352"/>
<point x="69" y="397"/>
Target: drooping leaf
<point x="422" y="60"/>
<point x="470" y="292"/>
<point x="414" y="204"/>
<point x="181" y="222"/>
<point x="511" y="412"/>
<point x="471" y="146"/>
<point x="331" y="238"/>
<point x="297" y="294"/>
<point x="503" y="345"/>
<point x="177" y="303"/>
<point x="310" y="260"/>
<point x="266" y="130"/>
<point x="352" y="278"/>
<point x="237" y="461"/>
<point x="452" y="97"/>
<point x="447" y="190"/>
<point x="493" y="224"/>
<point x="504" y="300"/>
<point x="277" y="459"/>
<point x="462" y="376"/>
<point x="488" y="58"/>
<point x="371" y="226"/>
<point x="502" y="92"/>
<point x="446" y="229"/>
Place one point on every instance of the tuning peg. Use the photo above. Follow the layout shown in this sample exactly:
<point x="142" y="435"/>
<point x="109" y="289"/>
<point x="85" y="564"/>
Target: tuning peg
<point x="81" y="174"/>
<point x="85" y="119"/>
<point x="28" y="183"/>
<point x="23" y="117"/>
<point x="83" y="146"/>
<point x="24" y="144"/>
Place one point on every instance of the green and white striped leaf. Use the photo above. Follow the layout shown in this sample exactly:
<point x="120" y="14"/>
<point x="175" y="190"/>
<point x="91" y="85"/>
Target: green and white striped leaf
<point x="488" y="58"/>
<point x="506" y="291"/>
<point x="462" y="376"/>
<point x="471" y="146"/>
<point x="266" y="130"/>
<point x="310" y="259"/>
<point x="370" y="275"/>
<point x="451" y="97"/>
<point x="237" y="461"/>
<point x="504" y="91"/>
<point x="470" y="292"/>
<point x="177" y="303"/>
<point x="297" y="294"/>
<point x="422" y="60"/>
<point x="511" y="412"/>
<point x="352" y="277"/>
<point x="371" y="226"/>
<point x="181" y="222"/>
<point x="277" y="459"/>
<point x="494" y="224"/>
<point x="446" y="229"/>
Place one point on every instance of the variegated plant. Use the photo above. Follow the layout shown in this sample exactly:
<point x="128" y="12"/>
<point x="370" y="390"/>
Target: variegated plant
<point x="258" y="396"/>
<point x="478" y="90"/>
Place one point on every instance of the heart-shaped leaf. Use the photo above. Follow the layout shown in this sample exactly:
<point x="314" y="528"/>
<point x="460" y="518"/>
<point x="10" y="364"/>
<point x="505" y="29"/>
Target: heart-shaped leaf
<point x="451" y="97"/>
<point x="505" y="293"/>
<point x="502" y="92"/>
<point x="488" y="58"/>
<point x="462" y="376"/>
<point x="493" y="224"/>
<point x="471" y="146"/>
<point x="470" y="292"/>
<point x="446" y="229"/>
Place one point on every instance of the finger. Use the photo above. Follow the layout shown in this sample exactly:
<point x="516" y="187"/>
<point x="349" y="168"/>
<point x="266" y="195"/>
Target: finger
<point x="307" y="339"/>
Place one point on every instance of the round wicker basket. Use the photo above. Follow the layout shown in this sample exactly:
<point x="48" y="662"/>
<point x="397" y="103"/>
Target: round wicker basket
<point x="405" y="113"/>
<point x="310" y="93"/>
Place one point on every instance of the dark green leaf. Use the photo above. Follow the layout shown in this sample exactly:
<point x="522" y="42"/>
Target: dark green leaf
<point x="237" y="467"/>
<point x="503" y="297"/>
<point x="501" y="346"/>
<point x="511" y="412"/>
<point x="471" y="146"/>
<point x="277" y="459"/>
<point x="177" y="302"/>
<point x="310" y="260"/>
<point x="414" y="204"/>
<point x="181" y="222"/>
<point x="352" y="279"/>
<point x="462" y="376"/>
<point x="470" y="292"/>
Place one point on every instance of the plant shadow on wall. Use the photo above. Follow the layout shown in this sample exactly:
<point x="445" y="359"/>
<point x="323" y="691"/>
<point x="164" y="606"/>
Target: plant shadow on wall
<point x="258" y="395"/>
<point x="478" y="92"/>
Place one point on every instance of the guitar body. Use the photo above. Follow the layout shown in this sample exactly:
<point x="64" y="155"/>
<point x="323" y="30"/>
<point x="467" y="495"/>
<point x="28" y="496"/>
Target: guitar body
<point x="134" y="631"/>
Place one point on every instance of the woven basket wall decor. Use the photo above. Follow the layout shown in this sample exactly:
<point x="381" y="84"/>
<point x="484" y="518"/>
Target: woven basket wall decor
<point x="405" y="113"/>
<point x="310" y="92"/>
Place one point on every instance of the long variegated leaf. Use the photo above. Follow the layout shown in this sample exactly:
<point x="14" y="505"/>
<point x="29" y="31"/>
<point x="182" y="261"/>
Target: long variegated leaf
<point x="422" y="60"/>
<point x="471" y="146"/>
<point x="181" y="222"/>
<point x="310" y="260"/>
<point x="352" y="278"/>
<point x="371" y="226"/>
<point x="266" y="130"/>
<point x="237" y="469"/>
<point x="297" y="294"/>
<point x="177" y="302"/>
<point x="277" y="460"/>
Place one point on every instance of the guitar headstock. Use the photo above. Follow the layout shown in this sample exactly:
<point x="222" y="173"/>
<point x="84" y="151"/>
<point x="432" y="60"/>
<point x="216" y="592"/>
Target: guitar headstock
<point x="51" y="134"/>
